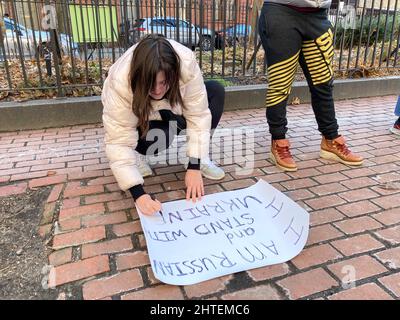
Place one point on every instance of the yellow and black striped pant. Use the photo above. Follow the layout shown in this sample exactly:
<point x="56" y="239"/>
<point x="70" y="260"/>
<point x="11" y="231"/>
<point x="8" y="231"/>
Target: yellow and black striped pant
<point x="291" y="38"/>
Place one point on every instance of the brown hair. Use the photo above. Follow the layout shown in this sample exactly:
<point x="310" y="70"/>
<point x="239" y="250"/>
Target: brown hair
<point x="153" y="54"/>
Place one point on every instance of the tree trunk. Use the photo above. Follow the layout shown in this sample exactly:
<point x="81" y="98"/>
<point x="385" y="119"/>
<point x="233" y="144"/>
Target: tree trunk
<point x="257" y="5"/>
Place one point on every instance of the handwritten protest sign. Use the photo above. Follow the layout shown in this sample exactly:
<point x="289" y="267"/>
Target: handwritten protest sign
<point x="224" y="233"/>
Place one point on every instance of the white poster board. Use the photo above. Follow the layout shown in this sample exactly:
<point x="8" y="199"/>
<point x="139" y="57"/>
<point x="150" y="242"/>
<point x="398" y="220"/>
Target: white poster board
<point x="224" y="233"/>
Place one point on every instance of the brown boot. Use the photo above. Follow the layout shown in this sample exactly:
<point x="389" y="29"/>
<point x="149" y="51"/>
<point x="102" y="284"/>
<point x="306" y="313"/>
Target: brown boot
<point x="337" y="150"/>
<point x="280" y="155"/>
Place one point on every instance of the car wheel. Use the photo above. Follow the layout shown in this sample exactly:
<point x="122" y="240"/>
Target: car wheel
<point x="205" y="43"/>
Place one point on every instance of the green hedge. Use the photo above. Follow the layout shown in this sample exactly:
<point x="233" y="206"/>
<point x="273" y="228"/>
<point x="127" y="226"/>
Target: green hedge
<point x="376" y="30"/>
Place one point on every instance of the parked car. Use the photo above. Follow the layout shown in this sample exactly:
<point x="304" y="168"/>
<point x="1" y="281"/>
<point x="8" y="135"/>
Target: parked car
<point x="237" y="33"/>
<point x="10" y="42"/>
<point x="208" y="36"/>
<point x="177" y="29"/>
<point x="33" y="40"/>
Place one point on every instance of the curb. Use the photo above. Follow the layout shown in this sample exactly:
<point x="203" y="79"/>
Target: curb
<point x="40" y="114"/>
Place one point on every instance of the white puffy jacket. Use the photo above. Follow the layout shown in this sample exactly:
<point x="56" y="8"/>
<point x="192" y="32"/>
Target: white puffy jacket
<point x="120" y="123"/>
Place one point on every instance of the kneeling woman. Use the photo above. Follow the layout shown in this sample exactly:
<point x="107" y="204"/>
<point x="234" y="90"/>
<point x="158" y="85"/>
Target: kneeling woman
<point x="156" y="85"/>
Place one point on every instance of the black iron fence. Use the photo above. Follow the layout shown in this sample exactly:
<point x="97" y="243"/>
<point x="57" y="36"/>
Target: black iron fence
<point x="65" y="47"/>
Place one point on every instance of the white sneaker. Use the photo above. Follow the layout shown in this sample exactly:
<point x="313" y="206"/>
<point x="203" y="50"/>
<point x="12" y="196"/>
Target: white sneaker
<point x="210" y="171"/>
<point x="395" y="130"/>
<point x="143" y="165"/>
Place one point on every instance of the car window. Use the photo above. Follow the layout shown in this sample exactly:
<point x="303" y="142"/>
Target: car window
<point x="154" y="23"/>
<point x="138" y="23"/>
<point x="183" y="24"/>
<point x="160" y="22"/>
<point x="9" y="25"/>
<point x="171" y="22"/>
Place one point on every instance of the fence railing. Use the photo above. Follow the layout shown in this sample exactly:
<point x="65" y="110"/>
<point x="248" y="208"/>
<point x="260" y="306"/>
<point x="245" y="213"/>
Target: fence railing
<point x="65" y="47"/>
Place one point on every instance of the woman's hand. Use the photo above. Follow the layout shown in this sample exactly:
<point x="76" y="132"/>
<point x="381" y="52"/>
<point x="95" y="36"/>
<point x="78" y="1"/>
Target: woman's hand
<point x="147" y="205"/>
<point x="194" y="185"/>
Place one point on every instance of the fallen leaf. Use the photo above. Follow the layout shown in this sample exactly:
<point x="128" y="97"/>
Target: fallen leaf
<point x="390" y="186"/>
<point x="295" y="101"/>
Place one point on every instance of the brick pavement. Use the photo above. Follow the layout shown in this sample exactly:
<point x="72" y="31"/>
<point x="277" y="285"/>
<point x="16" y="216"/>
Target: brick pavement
<point x="99" y="251"/>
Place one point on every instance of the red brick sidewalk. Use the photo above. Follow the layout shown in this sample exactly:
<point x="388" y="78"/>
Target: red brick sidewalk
<point x="99" y="247"/>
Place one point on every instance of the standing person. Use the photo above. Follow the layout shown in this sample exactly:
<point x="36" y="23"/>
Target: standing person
<point x="396" y="127"/>
<point x="295" y="32"/>
<point x="157" y="86"/>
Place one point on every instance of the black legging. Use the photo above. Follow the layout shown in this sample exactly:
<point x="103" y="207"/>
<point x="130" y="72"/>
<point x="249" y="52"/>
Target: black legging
<point x="290" y="37"/>
<point x="216" y="99"/>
